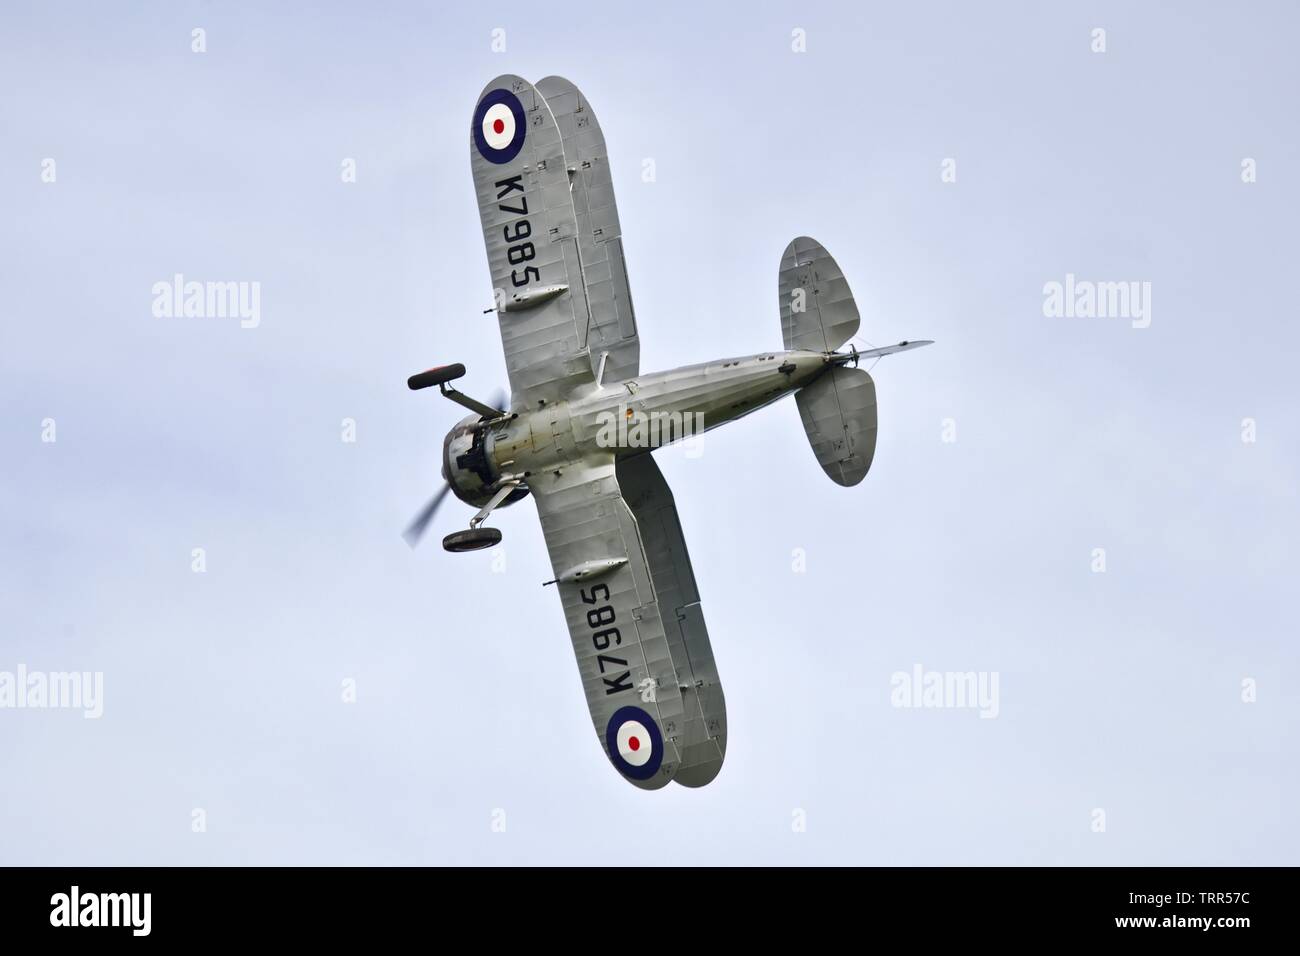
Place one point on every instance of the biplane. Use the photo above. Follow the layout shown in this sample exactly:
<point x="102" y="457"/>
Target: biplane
<point x="582" y="422"/>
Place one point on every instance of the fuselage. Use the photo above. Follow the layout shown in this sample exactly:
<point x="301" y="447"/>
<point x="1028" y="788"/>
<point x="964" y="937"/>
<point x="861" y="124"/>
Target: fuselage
<point x="631" y="416"/>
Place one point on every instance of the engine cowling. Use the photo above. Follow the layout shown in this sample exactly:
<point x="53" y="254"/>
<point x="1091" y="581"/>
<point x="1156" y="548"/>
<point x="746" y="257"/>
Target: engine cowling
<point x="468" y="466"/>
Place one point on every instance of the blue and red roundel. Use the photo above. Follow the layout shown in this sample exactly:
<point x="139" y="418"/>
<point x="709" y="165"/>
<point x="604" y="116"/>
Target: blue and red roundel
<point x="499" y="126"/>
<point x="635" y="744"/>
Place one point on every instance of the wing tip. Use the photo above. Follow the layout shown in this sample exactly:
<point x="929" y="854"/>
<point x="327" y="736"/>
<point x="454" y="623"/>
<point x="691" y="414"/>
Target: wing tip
<point x="699" y="775"/>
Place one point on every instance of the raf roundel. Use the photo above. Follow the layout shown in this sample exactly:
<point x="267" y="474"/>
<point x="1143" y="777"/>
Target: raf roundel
<point x="499" y="127"/>
<point x="635" y="744"/>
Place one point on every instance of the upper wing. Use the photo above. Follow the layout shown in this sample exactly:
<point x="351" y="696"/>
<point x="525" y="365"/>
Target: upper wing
<point x="703" y="741"/>
<point x="611" y="323"/>
<point x="646" y="707"/>
<point x="530" y="230"/>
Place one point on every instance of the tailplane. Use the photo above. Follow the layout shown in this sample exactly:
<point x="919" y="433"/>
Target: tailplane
<point x="839" y="414"/>
<point x="817" y="309"/>
<point x="818" y="314"/>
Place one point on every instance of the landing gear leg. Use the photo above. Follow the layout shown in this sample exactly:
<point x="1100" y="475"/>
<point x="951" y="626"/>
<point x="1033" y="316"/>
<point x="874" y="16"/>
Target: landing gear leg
<point x="477" y="538"/>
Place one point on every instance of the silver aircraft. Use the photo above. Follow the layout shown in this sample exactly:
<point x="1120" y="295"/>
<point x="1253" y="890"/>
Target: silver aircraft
<point x="582" y="420"/>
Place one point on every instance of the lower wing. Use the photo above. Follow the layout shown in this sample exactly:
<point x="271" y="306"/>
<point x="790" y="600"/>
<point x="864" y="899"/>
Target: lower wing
<point x="634" y="616"/>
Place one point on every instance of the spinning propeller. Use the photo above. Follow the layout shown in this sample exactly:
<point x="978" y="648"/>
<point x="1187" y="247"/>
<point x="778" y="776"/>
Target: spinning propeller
<point x="415" y="530"/>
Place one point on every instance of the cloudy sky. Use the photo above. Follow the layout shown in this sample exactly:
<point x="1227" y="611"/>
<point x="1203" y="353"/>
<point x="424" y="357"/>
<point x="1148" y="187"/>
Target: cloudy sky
<point x="1146" y="712"/>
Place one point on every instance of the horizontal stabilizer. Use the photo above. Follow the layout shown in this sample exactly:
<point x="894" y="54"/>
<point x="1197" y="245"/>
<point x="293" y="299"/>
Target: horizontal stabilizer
<point x="817" y="309"/>
<point x="839" y="414"/>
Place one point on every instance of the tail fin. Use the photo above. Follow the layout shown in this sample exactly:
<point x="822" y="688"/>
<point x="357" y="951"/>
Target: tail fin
<point x="817" y="309"/>
<point x="839" y="414"/>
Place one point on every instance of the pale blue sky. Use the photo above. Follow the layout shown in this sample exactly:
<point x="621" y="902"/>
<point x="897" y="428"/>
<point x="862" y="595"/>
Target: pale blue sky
<point x="1119" y="691"/>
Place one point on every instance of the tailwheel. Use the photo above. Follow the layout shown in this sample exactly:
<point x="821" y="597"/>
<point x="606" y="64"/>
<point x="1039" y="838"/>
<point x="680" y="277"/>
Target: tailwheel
<point x="475" y="539"/>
